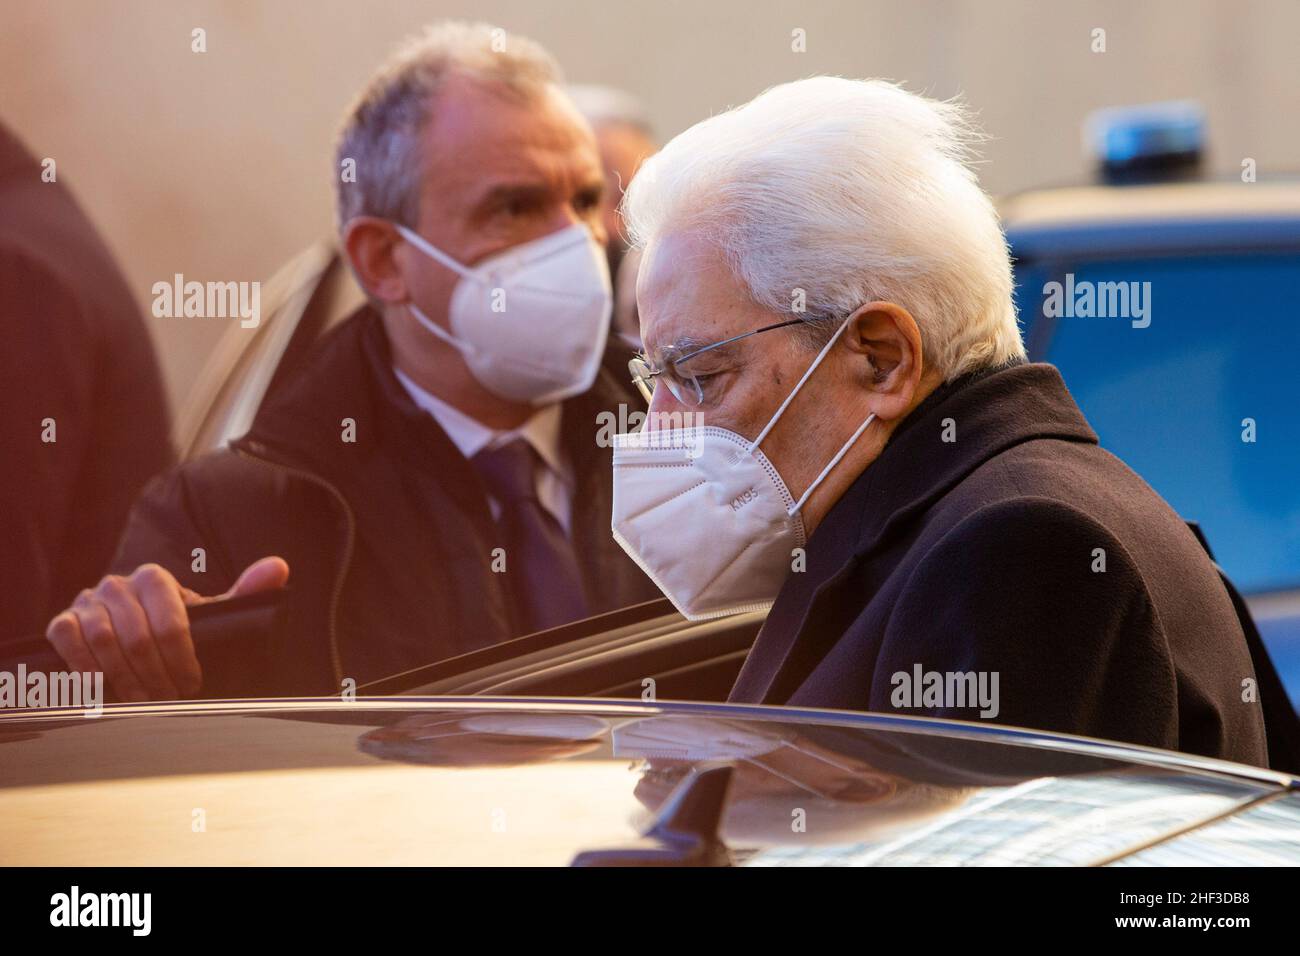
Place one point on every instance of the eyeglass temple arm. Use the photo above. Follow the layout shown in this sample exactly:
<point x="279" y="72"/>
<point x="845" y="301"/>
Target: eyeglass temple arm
<point x="737" y="338"/>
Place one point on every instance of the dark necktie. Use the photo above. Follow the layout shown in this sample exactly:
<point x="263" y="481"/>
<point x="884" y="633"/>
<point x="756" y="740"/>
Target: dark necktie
<point x="541" y="566"/>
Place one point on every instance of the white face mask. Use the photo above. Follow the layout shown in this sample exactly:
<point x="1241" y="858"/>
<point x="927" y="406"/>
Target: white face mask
<point x="531" y="321"/>
<point x="706" y="515"/>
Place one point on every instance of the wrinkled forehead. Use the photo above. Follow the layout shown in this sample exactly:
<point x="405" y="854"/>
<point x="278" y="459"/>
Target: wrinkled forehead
<point x="686" y="295"/>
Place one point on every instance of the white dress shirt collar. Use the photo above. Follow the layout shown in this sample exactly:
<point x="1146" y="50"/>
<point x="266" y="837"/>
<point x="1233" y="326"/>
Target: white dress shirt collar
<point x="470" y="436"/>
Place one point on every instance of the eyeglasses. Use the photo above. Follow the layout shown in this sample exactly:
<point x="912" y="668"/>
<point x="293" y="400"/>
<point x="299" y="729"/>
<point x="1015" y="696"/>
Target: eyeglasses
<point x="686" y="388"/>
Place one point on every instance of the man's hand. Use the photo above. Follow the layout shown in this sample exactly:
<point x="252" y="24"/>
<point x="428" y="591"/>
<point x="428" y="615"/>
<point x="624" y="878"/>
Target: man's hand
<point x="135" y="629"/>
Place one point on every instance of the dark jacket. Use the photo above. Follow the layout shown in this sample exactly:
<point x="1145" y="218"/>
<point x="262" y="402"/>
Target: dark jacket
<point x="389" y="538"/>
<point x="74" y="348"/>
<point x="983" y="554"/>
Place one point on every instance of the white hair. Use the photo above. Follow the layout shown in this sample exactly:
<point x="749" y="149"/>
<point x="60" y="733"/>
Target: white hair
<point x="381" y="130"/>
<point x="849" y="192"/>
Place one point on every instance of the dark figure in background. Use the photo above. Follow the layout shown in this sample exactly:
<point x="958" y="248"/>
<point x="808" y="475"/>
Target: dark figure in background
<point x="83" y="424"/>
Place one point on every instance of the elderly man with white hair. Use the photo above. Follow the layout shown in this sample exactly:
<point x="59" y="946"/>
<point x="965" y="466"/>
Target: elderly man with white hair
<point x="844" y="428"/>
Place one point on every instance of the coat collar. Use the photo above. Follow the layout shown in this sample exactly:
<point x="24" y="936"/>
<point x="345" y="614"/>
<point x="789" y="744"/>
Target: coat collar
<point x="991" y="411"/>
<point x="985" y="413"/>
<point x="347" y="375"/>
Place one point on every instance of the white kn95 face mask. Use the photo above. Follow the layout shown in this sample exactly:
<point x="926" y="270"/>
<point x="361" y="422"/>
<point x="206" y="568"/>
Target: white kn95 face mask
<point x="530" y="321"/>
<point x="707" y="516"/>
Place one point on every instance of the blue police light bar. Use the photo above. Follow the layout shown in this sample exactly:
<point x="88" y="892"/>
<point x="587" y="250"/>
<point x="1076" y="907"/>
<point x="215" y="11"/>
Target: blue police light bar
<point x="1154" y="140"/>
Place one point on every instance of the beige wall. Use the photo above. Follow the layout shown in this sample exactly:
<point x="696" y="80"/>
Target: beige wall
<point x="217" y="165"/>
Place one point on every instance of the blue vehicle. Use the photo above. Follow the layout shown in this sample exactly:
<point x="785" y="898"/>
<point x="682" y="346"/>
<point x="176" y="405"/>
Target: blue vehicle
<point x="1168" y="303"/>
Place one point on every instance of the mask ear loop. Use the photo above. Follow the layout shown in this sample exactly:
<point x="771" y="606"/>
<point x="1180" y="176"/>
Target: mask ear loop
<point x="435" y="330"/>
<point x="844" y="450"/>
<point x="432" y="251"/>
<point x="834" y="461"/>
<point x="798" y="385"/>
<point x="580" y="234"/>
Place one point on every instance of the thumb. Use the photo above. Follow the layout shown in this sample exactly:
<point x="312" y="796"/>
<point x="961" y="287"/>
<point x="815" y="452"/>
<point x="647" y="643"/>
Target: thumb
<point x="264" y="574"/>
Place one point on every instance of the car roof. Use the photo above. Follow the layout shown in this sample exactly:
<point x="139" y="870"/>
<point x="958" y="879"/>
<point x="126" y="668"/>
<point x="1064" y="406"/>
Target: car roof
<point x="1182" y="200"/>
<point x="1105" y="221"/>
<point x="484" y="780"/>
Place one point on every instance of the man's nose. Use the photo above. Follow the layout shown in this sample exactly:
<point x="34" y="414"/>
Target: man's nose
<point x="664" y="409"/>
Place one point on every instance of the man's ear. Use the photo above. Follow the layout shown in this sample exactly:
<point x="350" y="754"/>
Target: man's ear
<point x="886" y="336"/>
<point x="371" y="246"/>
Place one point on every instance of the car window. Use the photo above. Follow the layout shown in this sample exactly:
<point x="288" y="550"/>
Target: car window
<point x="1198" y="395"/>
